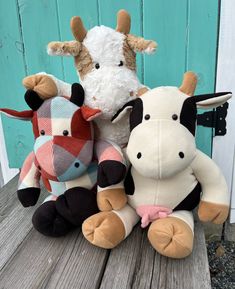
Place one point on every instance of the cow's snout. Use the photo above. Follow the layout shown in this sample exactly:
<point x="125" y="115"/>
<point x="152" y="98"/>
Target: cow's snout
<point x="62" y="158"/>
<point x="160" y="148"/>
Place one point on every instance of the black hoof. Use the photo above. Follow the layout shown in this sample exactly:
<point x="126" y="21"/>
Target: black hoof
<point x="29" y="196"/>
<point x="110" y="173"/>
<point x="76" y="205"/>
<point x="47" y="221"/>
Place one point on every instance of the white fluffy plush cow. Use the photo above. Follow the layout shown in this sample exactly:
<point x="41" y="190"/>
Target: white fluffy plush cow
<point x="169" y="177"/>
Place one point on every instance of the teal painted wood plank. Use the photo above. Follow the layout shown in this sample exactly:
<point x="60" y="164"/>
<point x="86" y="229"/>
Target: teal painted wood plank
<point x="37" y="20"/>
<point x="108" y="11"/>
<point x="18" y="135"/>
<point x="88" y="11"/>
<point x="165" y="21"/>
<point x="40" y="26"/>
<point x="201" y="54"/>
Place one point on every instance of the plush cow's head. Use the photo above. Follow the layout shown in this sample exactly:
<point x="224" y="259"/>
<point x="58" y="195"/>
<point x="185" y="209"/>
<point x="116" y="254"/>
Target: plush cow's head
<point x="105" y="62"/>
<point x="63" y="134"/>
<point x="163" y="122"/>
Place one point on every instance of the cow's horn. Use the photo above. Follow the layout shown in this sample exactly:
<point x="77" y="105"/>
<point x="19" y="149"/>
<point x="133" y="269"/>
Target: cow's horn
<point x="78" y="30"/>
<point x="189" y="83"/>
<point x="123" y="22"/>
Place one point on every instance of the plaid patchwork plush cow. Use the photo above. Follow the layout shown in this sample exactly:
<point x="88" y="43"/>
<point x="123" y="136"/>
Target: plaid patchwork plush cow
<point x="62" y="157"/>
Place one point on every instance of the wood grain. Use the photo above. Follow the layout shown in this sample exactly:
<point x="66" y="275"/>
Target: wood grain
<point x="31" y="260"/>
<point x="189" y="273"/>
<point x="135" y="264"/>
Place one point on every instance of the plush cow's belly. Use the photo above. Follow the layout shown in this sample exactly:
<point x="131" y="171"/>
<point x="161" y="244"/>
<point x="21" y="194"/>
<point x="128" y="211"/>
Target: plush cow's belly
<point x="166" y="192"/>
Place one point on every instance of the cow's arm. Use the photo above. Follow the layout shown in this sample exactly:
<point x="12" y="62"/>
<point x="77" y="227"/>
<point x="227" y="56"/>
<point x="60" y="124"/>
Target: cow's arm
<point x="111" y="163"/>
<point x="214" y="205"/>
<point x="29" y="187"/>
<point x="47" y="85"/>
<point x="111" y="173"/>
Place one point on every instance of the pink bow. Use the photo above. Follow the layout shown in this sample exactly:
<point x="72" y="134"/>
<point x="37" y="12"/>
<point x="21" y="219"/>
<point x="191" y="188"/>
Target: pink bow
<point x="149" y="213"/>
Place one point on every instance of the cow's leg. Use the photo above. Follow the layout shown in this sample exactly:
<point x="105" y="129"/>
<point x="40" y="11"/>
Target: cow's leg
<point x="111" y="173"/>
<point x="48" y="221"/>
<point x="173" y="236"/>
<point x="108" y="229"/>
<point x="77" y="204"/>
<point x="47" y="85"/>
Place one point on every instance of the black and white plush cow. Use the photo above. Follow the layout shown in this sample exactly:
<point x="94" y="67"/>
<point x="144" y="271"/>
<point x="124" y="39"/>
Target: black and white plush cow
<point x="169" y="177"/>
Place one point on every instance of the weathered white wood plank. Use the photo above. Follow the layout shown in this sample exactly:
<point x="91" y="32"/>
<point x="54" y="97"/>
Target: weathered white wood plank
<point x="188" y="273"/>
<point x="15" y="220"/>
<point x="8" y="197"/>
<point x="121" y="266"/>
<point x="34" y="261"/>
<point x="134" y="264"/>
<point x="223" y="147"/>
<point x="43" y="262"/>
<point x="80" y="266"/>
<point x="30" y="258"/>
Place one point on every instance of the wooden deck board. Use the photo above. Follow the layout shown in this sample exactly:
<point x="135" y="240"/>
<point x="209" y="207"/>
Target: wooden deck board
<point x="31" y="260"/>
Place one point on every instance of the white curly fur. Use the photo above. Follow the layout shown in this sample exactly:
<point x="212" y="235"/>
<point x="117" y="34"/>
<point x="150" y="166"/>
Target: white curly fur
<point x="109" y="87"/>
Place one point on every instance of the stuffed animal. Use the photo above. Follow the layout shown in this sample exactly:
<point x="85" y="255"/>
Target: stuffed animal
<point x="105" y="60"/>
<point x="169" y="177"/>
<point x="62" y="157"/>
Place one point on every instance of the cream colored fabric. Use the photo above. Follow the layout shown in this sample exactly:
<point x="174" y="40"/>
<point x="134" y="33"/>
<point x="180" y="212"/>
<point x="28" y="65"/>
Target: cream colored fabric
<point x="213" y="183"/>
<point x="185" y="216"/>
<point x="129" y="218"/>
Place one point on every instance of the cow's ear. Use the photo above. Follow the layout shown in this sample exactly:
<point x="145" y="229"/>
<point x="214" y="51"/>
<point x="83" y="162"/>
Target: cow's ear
<point x="33" y="99"/>
<point x="22" y="115"/>
<point x="77" y="94"/>
<point x="212" y="100"/>
<point x="123" y="111"/>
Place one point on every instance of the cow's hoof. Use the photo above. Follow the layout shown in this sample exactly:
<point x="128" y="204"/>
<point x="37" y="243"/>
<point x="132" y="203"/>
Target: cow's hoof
<point x="104" y="230"/>
<point x="48" y="222"/>
<point x="76" y="205"/>
<point x="171" y="237"/>
<point x="43" y="84"/>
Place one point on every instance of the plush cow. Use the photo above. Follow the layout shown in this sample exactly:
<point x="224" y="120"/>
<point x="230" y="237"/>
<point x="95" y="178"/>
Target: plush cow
<point x="169" y="177"/>
<point x="62" y="156"/>
<point x="105" y="60"/>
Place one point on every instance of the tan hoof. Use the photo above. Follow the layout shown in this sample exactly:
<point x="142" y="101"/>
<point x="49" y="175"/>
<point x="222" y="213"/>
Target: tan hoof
<point x="171" y="237"/>
<point x="215" y="213"/>
<point x="104" y="230"/>
<point x="43" y="84"/>
<point x="111" y="199"/>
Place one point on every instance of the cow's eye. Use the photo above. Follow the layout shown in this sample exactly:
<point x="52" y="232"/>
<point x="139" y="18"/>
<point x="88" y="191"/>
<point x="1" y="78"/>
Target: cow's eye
<point x="174" y="116"/>
<point x="97" y="66"/>
<point x="65" y="132"/>
<point x="120" y="63"/>
<point x="42" y="132"/>
<point x="147" y="117"/>
<point x="139" y="155"/>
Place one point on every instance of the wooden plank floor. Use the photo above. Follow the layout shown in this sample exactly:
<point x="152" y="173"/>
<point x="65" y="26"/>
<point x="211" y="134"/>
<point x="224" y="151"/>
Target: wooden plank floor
<point x="30" y="260"/>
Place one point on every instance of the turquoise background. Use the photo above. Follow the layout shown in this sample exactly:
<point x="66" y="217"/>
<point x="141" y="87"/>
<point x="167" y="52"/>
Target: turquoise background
<point x="186" y="32"/>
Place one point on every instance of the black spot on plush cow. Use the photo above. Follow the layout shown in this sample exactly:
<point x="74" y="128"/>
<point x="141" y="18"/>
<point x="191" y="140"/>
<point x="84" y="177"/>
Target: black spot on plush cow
<point x="170" y="177"/>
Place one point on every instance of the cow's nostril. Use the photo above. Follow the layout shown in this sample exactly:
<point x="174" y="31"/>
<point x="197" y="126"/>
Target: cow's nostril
<point x="181" y="155"/>
<point x="76" y="165"/>
<point x="139" y="155"/>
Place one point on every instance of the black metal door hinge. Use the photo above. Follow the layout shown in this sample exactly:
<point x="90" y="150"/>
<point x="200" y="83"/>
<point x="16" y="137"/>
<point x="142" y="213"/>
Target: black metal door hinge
<point x="215" y="119"/>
